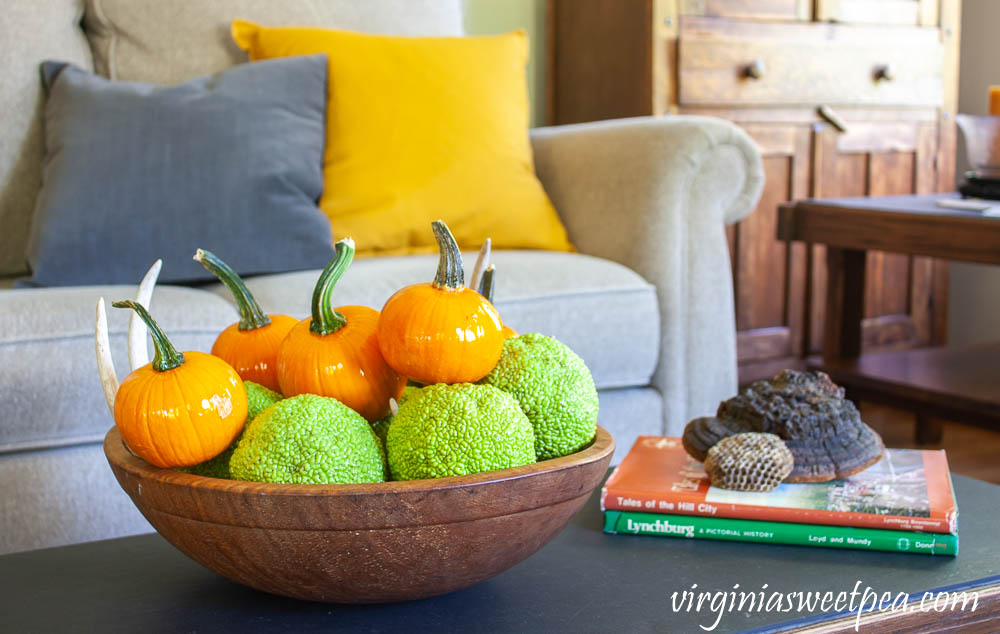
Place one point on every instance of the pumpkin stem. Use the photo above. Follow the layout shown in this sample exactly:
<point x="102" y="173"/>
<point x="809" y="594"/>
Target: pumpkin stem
<point x="251" y="315"/>
<point x="486" y="283"/>
<point x="325" y="320"/>
<point x="450" y="275"/>
<point x="166" y="357"/>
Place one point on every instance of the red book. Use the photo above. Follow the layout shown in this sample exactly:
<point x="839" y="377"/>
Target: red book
<point x="908" y="490"/>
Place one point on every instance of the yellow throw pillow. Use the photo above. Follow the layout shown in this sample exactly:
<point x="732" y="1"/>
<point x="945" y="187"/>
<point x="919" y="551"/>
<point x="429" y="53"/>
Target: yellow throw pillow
<point x="421" y="128"/>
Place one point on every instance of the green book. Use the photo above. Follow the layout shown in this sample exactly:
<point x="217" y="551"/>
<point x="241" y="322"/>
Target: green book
<point x="697" y="527"/>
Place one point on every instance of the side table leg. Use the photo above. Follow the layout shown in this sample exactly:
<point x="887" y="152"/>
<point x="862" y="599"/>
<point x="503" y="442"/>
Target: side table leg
<point x="930" y="430"/>
<point x="845" y="303"/>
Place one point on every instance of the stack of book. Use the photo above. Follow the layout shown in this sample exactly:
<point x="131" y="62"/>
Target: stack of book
<point x="903" y="503"/>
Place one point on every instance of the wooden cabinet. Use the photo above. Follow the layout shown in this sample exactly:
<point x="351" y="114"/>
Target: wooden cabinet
<point x="751" y="63"/>
<point x="843" y="97"/>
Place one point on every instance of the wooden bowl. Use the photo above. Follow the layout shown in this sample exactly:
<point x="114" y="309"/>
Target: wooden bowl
<point x="363" y="543"/>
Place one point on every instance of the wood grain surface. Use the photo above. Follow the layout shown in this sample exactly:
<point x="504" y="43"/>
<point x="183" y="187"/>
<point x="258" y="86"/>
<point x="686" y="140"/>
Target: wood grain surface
<point x="807" y="63"/>
<point x="875" y="224"/>
<point x="615" y="58"/>
<point x="366" y="543"/>
<point x="954" y="383"/>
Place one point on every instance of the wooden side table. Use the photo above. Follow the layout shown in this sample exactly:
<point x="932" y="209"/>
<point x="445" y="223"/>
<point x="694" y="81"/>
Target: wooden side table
<point x="957" y="383"/>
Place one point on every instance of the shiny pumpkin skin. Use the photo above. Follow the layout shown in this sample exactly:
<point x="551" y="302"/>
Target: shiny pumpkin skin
<point x="182" y="416"/>
<point x="435" y="334"/>
<point x="346" y="365"/>
<point x="254" y="353"/>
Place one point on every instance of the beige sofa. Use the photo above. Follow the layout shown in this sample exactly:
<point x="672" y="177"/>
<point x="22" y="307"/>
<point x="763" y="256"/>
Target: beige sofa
<point x="647" y="302"/>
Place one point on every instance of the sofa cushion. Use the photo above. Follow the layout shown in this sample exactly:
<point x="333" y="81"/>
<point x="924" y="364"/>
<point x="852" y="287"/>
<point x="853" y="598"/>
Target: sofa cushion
<point x="50" y="393"/>
<point x="63" y="496"/>
<point x="419" y="129"/>
<point x="172" y="42"/>
<point x="230" y="162"/>
<point x="602" y="310"/>
<point x="629" y="413"/>
<point x="31" y="31"/>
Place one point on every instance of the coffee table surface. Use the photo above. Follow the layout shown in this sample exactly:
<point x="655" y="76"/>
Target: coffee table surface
<point x="583" y="581"/>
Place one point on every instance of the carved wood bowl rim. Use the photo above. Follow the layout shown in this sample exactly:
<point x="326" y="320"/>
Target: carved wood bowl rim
<point x="131" y="470"/>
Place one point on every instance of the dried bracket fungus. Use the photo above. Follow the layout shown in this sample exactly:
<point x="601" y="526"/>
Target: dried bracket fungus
<point x="821" y="428"/>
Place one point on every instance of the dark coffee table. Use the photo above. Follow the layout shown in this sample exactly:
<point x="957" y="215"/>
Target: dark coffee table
<point x="583" y="581"/>
<point x="952" y="383"/>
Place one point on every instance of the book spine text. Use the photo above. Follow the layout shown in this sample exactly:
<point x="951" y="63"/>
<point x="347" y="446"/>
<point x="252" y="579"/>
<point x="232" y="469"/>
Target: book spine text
<point x="679" y="504"/>
<point x="695" y="527"/>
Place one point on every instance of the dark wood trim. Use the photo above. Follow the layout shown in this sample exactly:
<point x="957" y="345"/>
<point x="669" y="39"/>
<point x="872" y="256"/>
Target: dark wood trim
<point x="551" y="63"/>
<point x="971" y="238"/>
<point x="845" y="302"/>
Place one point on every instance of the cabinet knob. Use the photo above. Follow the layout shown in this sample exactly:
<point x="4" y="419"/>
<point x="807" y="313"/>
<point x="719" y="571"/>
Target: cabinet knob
<point x="755" y="69"/>
<point x="886" y="72"/>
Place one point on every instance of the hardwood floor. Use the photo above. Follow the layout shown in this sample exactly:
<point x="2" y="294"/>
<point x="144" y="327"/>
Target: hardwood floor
<point x="972" y="451"/>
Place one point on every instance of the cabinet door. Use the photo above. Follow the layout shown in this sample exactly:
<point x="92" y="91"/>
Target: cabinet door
<point x="768" y="274"/>
<point x="904" y="299"/>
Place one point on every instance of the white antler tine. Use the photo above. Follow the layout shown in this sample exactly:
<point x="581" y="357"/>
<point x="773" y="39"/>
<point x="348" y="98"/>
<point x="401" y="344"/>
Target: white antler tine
<point x="481" y="263"/>
<point x="138" y="353"/>
<point x="105" y="366"/>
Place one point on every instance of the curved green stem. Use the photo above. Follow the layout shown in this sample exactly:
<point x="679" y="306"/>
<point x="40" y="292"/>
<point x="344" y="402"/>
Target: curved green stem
<point x="251" y="315"/>
<point x="325" y="320"/>
<point x="486" y="283"/>
<point x="450" y="274"/>
<point x="166" y="357"/>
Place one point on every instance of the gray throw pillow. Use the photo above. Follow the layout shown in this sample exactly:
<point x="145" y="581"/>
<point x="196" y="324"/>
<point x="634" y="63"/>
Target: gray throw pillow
<point x="133" y="172"/>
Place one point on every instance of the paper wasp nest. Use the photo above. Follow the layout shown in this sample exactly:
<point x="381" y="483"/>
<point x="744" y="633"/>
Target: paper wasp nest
<point x="749" y="461"/>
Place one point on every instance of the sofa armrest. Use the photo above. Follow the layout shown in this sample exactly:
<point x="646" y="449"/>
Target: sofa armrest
<point x="655" y="194"/>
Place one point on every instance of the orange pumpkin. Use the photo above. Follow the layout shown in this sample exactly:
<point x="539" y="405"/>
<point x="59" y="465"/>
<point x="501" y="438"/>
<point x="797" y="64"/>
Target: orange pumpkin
<point x="486" y="290"/>
<point x="251" y="344"/>
<point x="335" y="353"/>
<point x="441" y="332"/>
<point x="182" y="408"/>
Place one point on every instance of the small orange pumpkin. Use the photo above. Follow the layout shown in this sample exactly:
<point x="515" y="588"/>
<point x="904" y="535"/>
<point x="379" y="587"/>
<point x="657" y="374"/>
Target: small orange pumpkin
<point x="182" y="408"/>
<point x="251" y="344"/>
<point x="441" y="332"/>
<point x="486" y="290"/>
<point x="335" y="353"/>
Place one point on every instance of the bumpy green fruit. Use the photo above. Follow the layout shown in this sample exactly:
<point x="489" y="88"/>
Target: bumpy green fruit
<point x="449" y="430"/>
<point x="554" y="389"/>
<point x="259" y="398"/>
<point x="381" y="426"/>
<point x="308" y="439"/>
